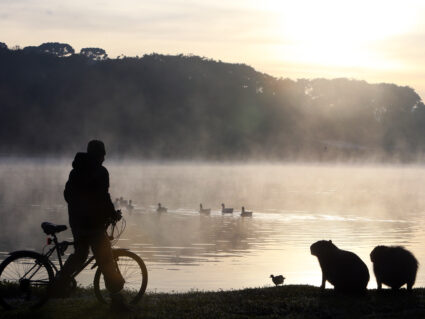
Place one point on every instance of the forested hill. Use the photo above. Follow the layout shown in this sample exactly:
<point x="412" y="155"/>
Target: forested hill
<point x="178" y="107"/>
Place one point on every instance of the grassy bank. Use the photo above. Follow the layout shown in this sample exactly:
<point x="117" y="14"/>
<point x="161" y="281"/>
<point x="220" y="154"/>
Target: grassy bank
<point x="281" y="302"/>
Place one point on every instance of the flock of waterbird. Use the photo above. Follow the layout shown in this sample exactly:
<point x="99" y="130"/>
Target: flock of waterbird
<point x="121" y="203"/>
<point x="207" y="211"/>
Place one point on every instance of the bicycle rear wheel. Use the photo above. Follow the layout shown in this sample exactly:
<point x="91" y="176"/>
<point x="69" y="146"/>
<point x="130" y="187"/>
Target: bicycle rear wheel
<point x="135" y="275"/>
<point x="24" y="279"/>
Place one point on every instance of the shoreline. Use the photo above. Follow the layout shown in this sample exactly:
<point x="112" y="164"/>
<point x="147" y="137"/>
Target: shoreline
<point x="288" y="301"/>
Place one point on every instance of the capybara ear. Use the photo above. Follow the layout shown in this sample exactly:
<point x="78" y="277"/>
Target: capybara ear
<point x="330" y="241"/>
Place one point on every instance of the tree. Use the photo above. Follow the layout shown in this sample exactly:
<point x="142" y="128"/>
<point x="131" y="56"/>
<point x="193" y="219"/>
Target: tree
<point x="3" y="45"/>
<point x="95" y="54"/>
<point x="182" y="106"/>
<point x="31" y="49"/>
<point x="56" y="48"/>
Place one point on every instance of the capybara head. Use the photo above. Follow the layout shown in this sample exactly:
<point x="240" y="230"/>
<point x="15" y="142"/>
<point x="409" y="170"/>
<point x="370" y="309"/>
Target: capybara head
<point x="322" y="247"/>
<point x="378" y="253"/>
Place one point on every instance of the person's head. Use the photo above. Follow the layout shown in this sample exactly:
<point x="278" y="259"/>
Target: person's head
<point x="96" y="150"/>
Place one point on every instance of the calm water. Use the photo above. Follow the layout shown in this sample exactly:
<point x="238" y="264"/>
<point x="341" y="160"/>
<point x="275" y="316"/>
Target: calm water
<point x="358" y="207"/>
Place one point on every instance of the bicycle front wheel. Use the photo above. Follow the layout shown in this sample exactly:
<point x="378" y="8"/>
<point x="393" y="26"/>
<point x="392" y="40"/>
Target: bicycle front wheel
<point x="135" y="275"/>
<point x="24" y="279"/>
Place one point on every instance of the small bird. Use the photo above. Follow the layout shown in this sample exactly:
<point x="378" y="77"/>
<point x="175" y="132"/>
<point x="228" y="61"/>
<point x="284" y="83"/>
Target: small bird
<point x="130" y="207"/>
<point x="161" y="209"/>
<point x="225" y="210"/>
<point x="277" y="280"/>
<point x="204" y="210"/>
<point x="245" y="213"/>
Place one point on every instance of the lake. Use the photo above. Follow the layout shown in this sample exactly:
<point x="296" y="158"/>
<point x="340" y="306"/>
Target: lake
<point x="294" y="205"/>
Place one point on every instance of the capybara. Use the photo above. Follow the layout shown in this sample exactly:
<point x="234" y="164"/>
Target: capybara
<point x="343" y="269"/>
<point x="394" y="266"/>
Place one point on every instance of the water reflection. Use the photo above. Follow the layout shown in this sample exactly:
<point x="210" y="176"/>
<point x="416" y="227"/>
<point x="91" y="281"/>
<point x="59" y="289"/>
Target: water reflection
<point x="357" y="207"/>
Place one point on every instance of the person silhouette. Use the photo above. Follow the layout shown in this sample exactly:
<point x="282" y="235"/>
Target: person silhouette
<point x="89" y="209"/>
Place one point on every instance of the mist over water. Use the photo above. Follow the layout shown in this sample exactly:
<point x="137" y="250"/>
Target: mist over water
<point x="294" y="205"/>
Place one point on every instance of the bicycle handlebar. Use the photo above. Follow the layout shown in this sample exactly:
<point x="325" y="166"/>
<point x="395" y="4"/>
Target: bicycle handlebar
<point x="116" y="217"/>
<point x="63" y="245"/>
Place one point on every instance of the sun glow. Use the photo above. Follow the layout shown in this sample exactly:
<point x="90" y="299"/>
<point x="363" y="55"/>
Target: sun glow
<point x="340" y="33"/>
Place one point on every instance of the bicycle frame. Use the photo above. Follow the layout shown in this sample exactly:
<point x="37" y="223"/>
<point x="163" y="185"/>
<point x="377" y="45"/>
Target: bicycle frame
<point x="60" y="248"/>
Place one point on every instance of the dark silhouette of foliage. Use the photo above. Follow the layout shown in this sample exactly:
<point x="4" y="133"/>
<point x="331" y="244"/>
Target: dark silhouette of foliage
<point x="56" y="48"/>
<point x="31" y="49"/>
<point x="188" y="106"/>
<point x="3" y="45"/>
<point x="95" y="54"/>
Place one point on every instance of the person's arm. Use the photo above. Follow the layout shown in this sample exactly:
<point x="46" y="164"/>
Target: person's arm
<point x="103" y="193"/>
<point x="67" y="192"/>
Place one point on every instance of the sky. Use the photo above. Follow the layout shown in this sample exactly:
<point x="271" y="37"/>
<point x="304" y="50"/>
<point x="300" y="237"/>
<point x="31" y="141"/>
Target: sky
<point x="372" y="40"/>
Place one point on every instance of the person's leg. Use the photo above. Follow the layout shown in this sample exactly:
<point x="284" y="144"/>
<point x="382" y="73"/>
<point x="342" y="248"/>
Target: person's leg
<point x="77" y="259"/>
<point x="102" y="251"/>
<point x="114" y="281"/>
<point x="72" y="264"/>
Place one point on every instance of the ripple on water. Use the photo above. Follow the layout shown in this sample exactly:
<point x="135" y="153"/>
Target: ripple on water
<point x="294" y="205"/>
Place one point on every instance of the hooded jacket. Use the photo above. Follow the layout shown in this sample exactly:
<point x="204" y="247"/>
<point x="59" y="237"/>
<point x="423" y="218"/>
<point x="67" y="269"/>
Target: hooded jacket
<point x="87" y="194"/>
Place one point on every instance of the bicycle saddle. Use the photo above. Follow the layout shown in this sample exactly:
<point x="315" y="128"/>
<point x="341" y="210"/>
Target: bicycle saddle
<point x="51" y="229"/>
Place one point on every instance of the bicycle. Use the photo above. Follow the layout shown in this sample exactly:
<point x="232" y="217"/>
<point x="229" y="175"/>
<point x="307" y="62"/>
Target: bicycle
<point x="26" y="275"/>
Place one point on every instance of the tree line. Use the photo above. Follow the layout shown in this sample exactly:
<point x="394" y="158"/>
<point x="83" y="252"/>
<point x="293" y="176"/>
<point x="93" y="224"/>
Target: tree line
<point x="183" y="106"/>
